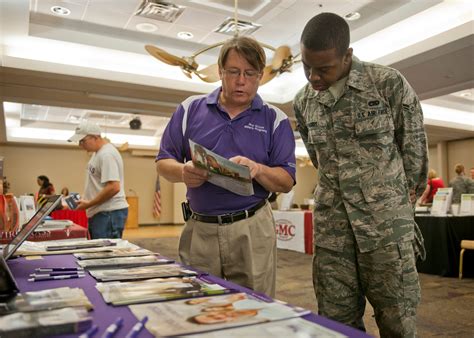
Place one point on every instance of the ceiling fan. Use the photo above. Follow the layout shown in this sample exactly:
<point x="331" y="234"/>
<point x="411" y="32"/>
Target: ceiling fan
<point x="282" y="60"/>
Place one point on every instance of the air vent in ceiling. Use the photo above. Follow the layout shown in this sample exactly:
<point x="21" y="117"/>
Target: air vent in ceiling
<point x="244" y="27"/>
<point x="159" y="10"/>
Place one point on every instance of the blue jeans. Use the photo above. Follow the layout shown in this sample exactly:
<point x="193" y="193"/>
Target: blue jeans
<point x="108" y="224"/>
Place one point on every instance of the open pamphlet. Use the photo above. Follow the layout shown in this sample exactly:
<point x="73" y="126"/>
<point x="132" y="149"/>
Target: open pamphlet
<point x="45" y="323"/>
<point x="158" y="289"/>
<point x="46" y="300"/>
<point x="222" y="172"/>
<point x="179" y="317"/>
<point x="142" y="272"/>
<point x="296" y="327"/>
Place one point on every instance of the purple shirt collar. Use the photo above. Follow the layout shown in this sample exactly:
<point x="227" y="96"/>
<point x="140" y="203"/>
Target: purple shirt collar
<point x="213" y="99"/>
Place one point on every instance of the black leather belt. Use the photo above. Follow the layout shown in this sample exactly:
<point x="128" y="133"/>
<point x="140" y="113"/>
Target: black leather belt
<point x="228" y="218"/>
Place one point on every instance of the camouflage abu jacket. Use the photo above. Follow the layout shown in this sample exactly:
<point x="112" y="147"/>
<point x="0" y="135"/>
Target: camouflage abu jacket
<point x="370" y="150"/>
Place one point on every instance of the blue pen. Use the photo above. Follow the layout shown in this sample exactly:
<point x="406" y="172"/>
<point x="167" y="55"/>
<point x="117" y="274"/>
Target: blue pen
<point x="47" y="276"/>
<point x="36" y="279"/>
<point x="113" y="328"/>
<point x="58" y="269"/>
<point x="90" y="333"/>
<point x="56" y="273"/>
<point x="137" y="328"/>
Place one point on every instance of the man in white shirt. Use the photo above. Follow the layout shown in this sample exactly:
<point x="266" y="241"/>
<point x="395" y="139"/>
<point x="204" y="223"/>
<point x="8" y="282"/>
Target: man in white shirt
<point x="104" y="195"/>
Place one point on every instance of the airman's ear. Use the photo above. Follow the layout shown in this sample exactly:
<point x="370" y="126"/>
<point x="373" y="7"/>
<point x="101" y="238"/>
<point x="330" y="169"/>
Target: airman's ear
<point x="348" y="56"/>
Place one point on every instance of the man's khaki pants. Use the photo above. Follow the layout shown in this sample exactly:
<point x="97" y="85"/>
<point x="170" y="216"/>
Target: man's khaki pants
<point x="243" y="252"/>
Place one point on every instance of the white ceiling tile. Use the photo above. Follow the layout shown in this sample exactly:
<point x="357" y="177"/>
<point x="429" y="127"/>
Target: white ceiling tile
<point x="203" y="20"/>
<point x="77" y="8"/>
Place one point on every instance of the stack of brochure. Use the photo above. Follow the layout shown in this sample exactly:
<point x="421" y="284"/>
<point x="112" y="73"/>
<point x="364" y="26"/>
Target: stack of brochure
<point x="45" y="323"/>
<point x="72" y="246"/>
<point x="114" y="253"/>
<point x="180" y="317"/>
<point x="46" y="300"/>
<point x="140" y="273"/>
<point x="159" y="289"/>
<point x="295" y="327"/>
<point x="122" y="262"/>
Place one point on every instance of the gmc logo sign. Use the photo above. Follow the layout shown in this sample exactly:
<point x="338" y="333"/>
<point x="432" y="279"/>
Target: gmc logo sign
<point x="284" y="229"/>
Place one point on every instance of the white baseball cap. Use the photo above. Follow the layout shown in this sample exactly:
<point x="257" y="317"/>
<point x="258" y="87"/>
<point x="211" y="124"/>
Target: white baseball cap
<point x="83" y="129"/>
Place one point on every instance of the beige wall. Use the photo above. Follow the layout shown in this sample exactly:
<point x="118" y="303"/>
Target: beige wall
<point x="433" y="158"/>
<point x="66" y="167"/>
<point x="456" y="152"/>
<point x="460" y="152"/>
<point x="306" y="180"/>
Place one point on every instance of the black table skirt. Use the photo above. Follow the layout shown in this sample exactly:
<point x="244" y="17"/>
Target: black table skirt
<point x="443" y="237"/>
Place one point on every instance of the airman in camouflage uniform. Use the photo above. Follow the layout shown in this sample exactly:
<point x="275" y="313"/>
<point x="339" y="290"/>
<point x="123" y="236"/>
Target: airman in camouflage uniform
<point x="362" y="125"/>
<point x="461" y="184"/>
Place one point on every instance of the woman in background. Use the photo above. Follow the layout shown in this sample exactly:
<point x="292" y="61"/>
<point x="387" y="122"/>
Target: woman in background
<point x="434" y="183"/>
<point x="65" y="192"/>
<point x="46" y="187"/>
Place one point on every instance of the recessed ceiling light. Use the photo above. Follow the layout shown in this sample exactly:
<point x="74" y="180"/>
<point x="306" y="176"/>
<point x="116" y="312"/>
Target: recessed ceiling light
<point x="146" y="27"/>
<point x="185" y="35"/>
<point x="59" y="10"/>
<point x="465" y="94"/>
<point x="352" y="16"/>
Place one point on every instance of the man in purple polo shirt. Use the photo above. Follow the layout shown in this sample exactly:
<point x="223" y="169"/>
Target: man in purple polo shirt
<point x="229" y="235"/>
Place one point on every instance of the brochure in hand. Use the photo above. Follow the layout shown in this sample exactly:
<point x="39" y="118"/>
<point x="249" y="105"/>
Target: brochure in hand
<point x="222" y="172"/>
<point x="179" y="317"/>
<point x="159" y="289"/>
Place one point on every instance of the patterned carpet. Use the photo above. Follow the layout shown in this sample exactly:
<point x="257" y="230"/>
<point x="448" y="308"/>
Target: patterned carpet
<point x="446" y="309"/>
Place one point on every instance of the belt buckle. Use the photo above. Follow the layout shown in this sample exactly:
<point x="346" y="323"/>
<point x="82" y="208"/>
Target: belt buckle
<point x="220" y="217"/>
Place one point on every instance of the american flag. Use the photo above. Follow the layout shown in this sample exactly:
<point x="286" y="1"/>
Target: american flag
<point x="157" y="199"/>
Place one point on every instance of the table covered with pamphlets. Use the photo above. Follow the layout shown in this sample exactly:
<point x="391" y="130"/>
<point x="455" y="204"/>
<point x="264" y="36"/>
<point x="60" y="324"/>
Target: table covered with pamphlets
<point x="116" y="285"/>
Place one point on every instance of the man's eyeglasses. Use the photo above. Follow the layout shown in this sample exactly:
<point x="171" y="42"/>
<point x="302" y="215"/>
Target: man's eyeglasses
<point x="234" y="73"/>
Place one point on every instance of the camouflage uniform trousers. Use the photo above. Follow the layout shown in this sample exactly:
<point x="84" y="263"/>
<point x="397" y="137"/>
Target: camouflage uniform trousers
<point x="387" y="276"/>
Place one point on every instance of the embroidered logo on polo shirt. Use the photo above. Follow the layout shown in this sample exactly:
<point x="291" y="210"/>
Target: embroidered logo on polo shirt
<point x="256" y="127"/>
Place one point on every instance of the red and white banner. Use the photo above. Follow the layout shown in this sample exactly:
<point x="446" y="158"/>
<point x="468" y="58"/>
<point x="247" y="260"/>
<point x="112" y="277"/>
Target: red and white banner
<point x="289" y="228"/>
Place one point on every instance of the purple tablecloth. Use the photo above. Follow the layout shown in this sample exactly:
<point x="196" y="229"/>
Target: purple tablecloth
<point x="103" y="314"/>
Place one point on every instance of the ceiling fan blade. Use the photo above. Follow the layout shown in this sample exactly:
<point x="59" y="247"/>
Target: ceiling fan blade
<point x="166" y="57"/>
<point x="281" y="54"/>
<point x="209" y="74"/>
<point x="187" y="73"/>
<point x="268" y="74"/>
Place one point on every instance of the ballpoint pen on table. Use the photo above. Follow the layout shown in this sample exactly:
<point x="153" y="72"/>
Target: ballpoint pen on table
<point x="58" y="269"/>
<point x="56" y="273"/>
<point x="137" y="328"/>
<point x="36" y="279"/>
<point x="113" y="328"/>
<point x="90" y="333"/>
<point x="50" y="277"/>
